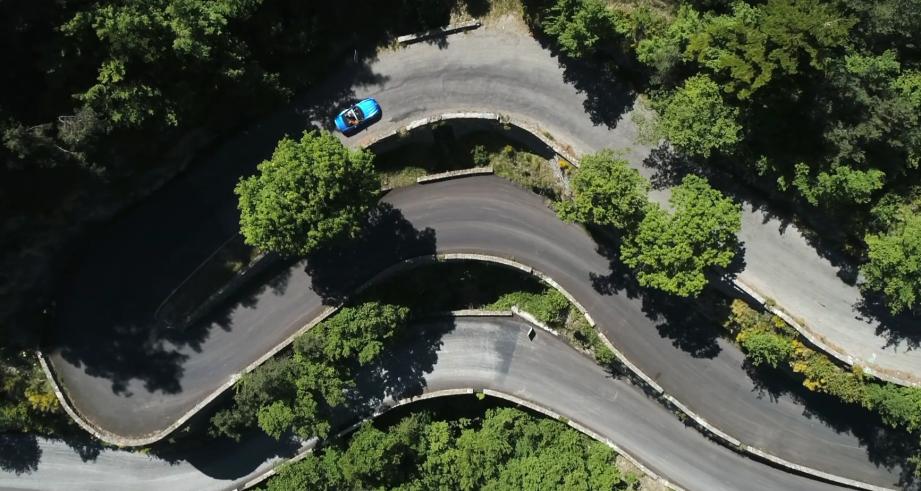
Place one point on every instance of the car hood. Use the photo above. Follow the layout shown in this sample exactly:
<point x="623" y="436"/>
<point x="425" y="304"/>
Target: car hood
<point x="369" y="107"/>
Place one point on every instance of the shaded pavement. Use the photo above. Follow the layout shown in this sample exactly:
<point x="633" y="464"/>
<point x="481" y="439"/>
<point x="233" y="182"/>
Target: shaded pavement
<point x="481" y="353"/>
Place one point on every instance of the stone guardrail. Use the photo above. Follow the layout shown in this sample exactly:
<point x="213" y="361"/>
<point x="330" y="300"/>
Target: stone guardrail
<point x="821" y="343"/>
<point x="453" y="174"/>
<point x="441" y="31"/>
<point x="700" y="422"/>
<point x="528" y="126"/>
<point x="817" y="341"/>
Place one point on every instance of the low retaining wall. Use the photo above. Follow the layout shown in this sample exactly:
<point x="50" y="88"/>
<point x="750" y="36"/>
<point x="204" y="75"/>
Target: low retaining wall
<point x="529" y="127"/>
<point x="307" y="450"/>
<point x="489" y="392"/>
<point x="815" y="340"/>
<point x="441" y="31"/>
<point x="454" y="174"/>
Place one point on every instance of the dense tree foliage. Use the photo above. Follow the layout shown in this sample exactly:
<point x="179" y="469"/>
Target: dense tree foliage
<point x="581" y="26"/>
<point x="296" y="393"/>
<point x="104" y="101"/>
<point x="27" y="401"/>
<point x="894" y="265"/>
<point x="696" y="119"/>
<point x="817" y="103"/>
<point x="672" y="251"/>
<point x="606" y="191"/>
<point x="311" y="192"/>
<point x="767" y="339"/>
<point x="506" y="449"/>
<point x="752" y="45"/>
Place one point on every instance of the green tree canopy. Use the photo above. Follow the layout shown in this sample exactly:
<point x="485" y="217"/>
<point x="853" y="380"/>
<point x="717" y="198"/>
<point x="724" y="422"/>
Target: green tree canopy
<point x="893" y="265"/>
<point x="189" y="41"/>
<point x="309" y="193"/>
<point x="696" y="119"/>
<point x="606" y="191"/>
<point x="671" y="251"/>
<point x="581" y="26"/>
<point x="505" y="449"/>
<point x="841" y="186"/>
<point x="663" y="47"/>
<point x="296" y="393"/>
<point x="755" y="43"/>
<point x="355" y="333"/>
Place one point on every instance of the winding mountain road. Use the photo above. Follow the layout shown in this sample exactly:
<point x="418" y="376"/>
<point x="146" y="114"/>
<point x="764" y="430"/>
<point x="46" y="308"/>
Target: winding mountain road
<point x="466" y="352"/>
<point x="584" y="107"/>
<point x="131" y="378"/>
<point x="490" y="215"/>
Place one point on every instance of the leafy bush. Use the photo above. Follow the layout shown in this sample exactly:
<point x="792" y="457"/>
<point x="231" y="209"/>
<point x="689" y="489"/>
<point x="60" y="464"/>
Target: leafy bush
<point x="583" y="26"/>
<point x="549" y="307"/>
<point x="894" y="265"/>
<point x="606" y="191"/>
<point x="525" y="169"/>
<point x="671" y="251"/>
<point x="27" y="401"/>
<point x="310" y="192"/>
<point x="767" y="339"/>
<point x="696" y="119"/>
<point x="505" y="449"/>
<point x="296" y="392"/>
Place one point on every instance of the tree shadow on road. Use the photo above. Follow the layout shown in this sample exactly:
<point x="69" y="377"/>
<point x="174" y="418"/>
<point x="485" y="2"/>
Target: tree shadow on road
<point x="677" y="319"/>
<point x="19" y="454"/>
<point x="608" y="78"/>
<point x="899" y="330"/>
<point x="386" y="239"/>
<point x="124" y="270"/>
<point x="400" y="371"/>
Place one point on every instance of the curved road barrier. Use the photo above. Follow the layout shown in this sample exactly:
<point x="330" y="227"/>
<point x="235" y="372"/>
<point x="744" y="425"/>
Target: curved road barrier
<point x="482" y="216"/>
<point x="493" y="355"/>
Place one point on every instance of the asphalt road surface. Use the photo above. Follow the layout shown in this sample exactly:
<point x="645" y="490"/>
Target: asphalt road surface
<point x="490" y="215"/>
<point x="479" y="352"/>
<point x="132" y="378"/>
<point x="510" y="73"/>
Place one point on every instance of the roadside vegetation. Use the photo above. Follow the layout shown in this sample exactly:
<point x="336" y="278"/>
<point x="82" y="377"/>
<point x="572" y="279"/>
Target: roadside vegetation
<point x="296" y="392"/>
<point x="509" y="159"/>
<point x="815" y="104"/>
<point x="670" y="250"/>
<point x="502" y="449"/>
<point x="299" y="391"/>
<point x="768" y="340"/>
<point x="550" y="307"/>
<point x="27" y="401"/>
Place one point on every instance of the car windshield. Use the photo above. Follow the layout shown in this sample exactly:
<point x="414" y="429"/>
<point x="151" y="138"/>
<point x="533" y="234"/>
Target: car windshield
<point x="358" y="113"/>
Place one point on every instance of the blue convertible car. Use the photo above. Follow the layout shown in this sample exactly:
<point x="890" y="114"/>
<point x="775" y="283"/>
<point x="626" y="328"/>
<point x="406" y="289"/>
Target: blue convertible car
<point x="358" y="116"/>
